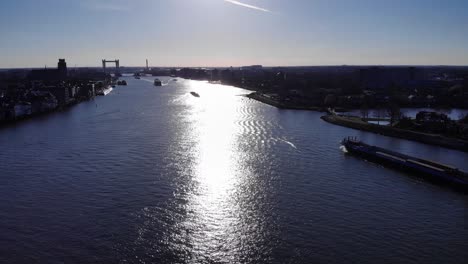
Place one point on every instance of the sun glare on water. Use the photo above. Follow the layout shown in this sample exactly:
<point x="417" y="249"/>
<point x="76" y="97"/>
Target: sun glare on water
<point x="218" y="168"/>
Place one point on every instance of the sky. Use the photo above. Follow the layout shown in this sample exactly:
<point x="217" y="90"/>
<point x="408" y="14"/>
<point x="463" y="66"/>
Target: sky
<point x="233" y="33"/>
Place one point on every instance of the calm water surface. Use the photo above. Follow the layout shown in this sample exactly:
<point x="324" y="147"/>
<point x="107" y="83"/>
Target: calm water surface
<point x="154" y="175"/>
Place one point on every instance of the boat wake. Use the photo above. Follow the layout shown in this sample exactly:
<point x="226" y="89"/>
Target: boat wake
<point x="343" y="148"/>
<point x="285" y="141"/>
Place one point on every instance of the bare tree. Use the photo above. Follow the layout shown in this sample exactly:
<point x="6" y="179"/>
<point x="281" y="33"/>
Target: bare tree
<point x="393" y="111"/>
<point x="381" y="113"/>
<point x="364" y="111"/>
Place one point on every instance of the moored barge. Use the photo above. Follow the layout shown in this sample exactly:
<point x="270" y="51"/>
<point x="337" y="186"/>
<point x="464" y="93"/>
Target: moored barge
<point x="430" y="170"/>
<point x="104" y="91"/>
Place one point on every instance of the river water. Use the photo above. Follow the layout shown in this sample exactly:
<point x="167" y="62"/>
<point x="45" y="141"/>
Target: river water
<point x="155" y="175"/>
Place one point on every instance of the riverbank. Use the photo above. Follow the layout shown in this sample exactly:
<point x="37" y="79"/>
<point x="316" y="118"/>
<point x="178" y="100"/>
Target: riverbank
<point x="14" y="121"/>
<point x="282" y="104"/>
<point x="431" y="139"/>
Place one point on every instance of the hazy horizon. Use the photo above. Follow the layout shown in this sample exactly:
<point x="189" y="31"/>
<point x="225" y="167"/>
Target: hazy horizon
<point x="110" y="66"/>
<point x="223" y="33"/>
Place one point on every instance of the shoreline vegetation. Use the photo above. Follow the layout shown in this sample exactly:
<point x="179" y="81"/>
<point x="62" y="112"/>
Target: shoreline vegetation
<point x="426" y="138"/>
<point x="282" y="105"/>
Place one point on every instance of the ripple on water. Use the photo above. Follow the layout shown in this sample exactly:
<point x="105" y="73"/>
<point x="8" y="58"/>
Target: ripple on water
<point x="154" y="175"/>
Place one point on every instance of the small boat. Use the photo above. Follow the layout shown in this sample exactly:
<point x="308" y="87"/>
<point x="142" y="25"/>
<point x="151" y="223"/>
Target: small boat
<point x="137" y="77"/>
<point x="104" y="91"/>
<point x="195" y="94"/>
<point x="430" y="170"/>
<point x="122" y="82"/>
<point x="157" y="82"/>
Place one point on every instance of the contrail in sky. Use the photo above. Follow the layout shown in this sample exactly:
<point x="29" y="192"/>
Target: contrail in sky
<point x="248" y="6"/>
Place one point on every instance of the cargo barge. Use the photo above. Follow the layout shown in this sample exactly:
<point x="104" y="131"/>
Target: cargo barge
<point x="430" y="170"/>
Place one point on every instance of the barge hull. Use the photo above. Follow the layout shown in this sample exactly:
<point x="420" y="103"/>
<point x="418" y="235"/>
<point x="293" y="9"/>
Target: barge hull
<point x="434" y="172"/>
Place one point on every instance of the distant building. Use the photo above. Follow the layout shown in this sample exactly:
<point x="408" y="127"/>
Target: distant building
<point x="89" y="74"/>
<point x="215" y="75"/>
<point x="42" y="101"/>
<point x="252" y="68"/>
<point x="60" y="92"/>
<point x="87" y="91"/>
<point x="22" y="109"/>
<point x="62" y="68"/>
<point x="51" y="74"/>
<point x="227" y="75"/>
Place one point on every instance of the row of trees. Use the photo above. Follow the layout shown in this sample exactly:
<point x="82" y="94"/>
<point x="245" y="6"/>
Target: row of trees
<point x="390" y="110"/>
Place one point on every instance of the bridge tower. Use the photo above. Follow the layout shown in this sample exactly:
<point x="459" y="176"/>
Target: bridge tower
<point x="117" y="65"/>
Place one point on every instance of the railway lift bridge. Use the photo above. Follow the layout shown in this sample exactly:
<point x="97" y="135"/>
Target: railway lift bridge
<point x="117" y="65"/>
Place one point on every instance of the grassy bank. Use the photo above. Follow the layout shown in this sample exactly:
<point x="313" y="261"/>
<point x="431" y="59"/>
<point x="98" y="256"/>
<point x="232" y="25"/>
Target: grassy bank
<point x="432" y="139"/>
<point x="283" y="104"/>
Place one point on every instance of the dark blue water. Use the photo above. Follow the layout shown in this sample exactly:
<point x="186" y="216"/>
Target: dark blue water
<point x="154" y="175"/>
